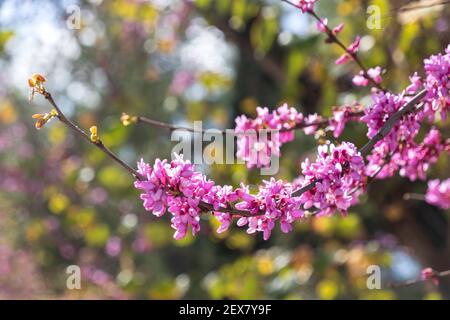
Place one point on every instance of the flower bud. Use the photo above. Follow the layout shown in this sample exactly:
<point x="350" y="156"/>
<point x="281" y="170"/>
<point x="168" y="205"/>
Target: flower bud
<point x="94" y="134"/>
<point x="126" y="119"/>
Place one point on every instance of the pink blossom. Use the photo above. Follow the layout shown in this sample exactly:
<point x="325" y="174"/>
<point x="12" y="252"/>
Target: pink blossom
<point x="337" y="172"/>
<point x="416" y="84"/>
<point x="263" y="136"/>
<point x="398" y="150"/>
<point x="306" y="5"/>
<point x="343" y="59"/>
<point x="175" y="187"/>
<point x="416" y="158"/>
<point x="322" y="25"/>
<point x="360" y="80"/>
<point x="354" y="46"/>
<point x="438" y="193"/>
<point x="274" y="199"/>
<point x="429" y="274"/>
<point x="311" y="119"/>
<point x="338" y="28"/>
<point x="375" y="74"/>
<point x="340" y="118"/>
<point x="437" y="84"/>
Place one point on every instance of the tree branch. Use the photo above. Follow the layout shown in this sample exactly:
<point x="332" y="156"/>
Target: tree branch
<point x="231" y="210"/>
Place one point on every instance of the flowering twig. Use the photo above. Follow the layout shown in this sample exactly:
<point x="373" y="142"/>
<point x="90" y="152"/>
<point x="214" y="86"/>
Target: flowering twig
<point x="332" y="38"/>
<point x="380" y="135"/>
<point x="409" y="106"/>
<point x="427" y="274"/>
<point x="94" y="139"/>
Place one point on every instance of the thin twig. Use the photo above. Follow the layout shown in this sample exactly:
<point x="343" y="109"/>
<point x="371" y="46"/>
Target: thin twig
<point x="80" y="131"/>
<point x="172" y="127"/>
<point x="392" y="121"/>
<point x="435" y="275"/>
<point x="414" y="196"/>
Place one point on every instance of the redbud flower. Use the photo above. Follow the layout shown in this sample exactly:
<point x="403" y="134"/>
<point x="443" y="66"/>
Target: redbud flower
<point x="354" y="46"/>
<point x="340" y="118"/>
<point x="375" y="74"/>
<point x="360" y="80"/>
<point x="322" y="25"/>
<point x="275" y="199"/>
<point x="343" y="59"/>
<point x="337" y="172"/>
<point x="438" y="193"/>
<point x="338" y="28"/>
<point x="306" y="5"/>
<point x="256" y="148"/>
<point x="312" y="119"/>
<point x="429" y="274"/>
<point x="437" y="83"/>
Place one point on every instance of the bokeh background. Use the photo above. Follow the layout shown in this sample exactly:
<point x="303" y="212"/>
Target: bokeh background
<point x="63" y="203"/>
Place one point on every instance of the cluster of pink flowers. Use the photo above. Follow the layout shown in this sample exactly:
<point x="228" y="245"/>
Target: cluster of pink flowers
<point x="338" y="173"/>
<point x="437" y="84"/>
<point x="276" y="201"/>
<point x="438" y="193"/>
<point x="415" y="159"/>
<point x="306" y="5"/>
<point x="176" y="186"/>
<point x="351" y="50"/>
<point x="263" y="136"/>
<point x="411" y="158"/>
<point x="259" y="138"/>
